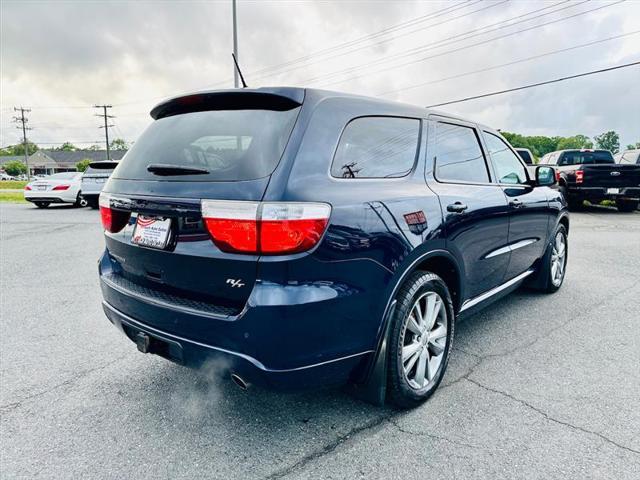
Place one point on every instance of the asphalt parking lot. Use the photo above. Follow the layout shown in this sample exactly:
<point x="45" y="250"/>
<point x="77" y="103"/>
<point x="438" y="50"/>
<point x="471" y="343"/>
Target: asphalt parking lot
<point x="538" y="386"/>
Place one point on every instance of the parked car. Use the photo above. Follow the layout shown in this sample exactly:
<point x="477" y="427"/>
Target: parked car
<point x="628" y="157"/>
<point x="5" y="176"/>
<point x="593" y="175"/>
<point x="94" y="178"/>
<point x="312" y="238"/>
<point x="57" y="188"/>
<point x="525" y="155"/>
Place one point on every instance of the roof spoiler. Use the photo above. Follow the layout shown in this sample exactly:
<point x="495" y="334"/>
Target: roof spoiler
<point x="279" y="99"/>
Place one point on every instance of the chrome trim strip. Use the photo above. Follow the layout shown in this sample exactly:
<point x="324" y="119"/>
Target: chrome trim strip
<point x="122" y="317"/>
<point x="484" y="296"/>
<point x="511" y="248"/>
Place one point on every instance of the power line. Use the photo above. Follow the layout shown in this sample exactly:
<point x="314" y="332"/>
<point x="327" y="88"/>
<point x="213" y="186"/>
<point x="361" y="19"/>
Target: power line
<point x="257" y="73"/>
<point x="483" y="42"/>
<point x="450" y="40"/>
<point x="508" y="64"/>
<point x="524" y="87"/>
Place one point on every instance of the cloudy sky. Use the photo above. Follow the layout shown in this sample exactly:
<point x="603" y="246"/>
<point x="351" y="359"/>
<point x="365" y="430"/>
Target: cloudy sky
<point x="59" y="58"/>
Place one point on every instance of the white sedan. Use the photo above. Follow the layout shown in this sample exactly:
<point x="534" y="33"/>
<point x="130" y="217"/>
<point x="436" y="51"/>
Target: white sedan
<point x="57" y="188"/>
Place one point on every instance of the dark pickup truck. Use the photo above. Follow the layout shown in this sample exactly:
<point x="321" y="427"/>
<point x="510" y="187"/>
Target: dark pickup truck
<point x="593" y="175"/>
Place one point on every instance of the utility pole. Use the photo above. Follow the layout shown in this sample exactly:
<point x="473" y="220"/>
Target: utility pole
<point x="106" y="125"/>
<point x="23" y="120"/>
<point x="236" y="82"/>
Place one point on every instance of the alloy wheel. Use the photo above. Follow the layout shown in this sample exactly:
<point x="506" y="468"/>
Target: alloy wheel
<point x="424" y="340"/>
<point x="558" y="258"/>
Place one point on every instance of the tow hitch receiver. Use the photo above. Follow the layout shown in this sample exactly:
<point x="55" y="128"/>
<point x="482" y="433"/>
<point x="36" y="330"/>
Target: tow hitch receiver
<point x="143" y="341"/>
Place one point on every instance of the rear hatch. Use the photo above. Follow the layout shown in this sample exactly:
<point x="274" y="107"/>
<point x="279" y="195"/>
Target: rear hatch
<point x="96" y="175"/>
<point x="218" y="146"/>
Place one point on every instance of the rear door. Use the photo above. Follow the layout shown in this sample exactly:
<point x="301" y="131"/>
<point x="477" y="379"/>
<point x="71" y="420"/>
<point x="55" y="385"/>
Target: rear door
<point x="224" y="150"/>
<point x="529" y="211"/>
<point x="475" y="211"/>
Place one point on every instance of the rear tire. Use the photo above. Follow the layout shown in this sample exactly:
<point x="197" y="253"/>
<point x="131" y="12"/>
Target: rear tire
<point x="420" y="340"/>
<point x="42" y="204"/>
<point x="80" y="201"/>
<point x="627" y="205"/>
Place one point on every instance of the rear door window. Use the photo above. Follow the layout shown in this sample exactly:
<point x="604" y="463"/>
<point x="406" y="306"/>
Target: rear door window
<point x="508" y="166"/>
<point x="377" y="147"/>
<point x="228" y="144"/>
<point x="459" y="157"/>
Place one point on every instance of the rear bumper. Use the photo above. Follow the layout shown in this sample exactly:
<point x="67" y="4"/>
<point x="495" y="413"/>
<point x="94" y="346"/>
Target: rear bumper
<point x="286" y="337"/>
<point x="603" y="193"/>
<point x="196" y="354"/>
<point x="48" y="198"/>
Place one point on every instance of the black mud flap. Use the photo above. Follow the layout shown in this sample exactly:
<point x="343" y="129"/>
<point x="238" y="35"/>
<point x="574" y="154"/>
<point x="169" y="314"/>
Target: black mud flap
<point x="374" y="389"/>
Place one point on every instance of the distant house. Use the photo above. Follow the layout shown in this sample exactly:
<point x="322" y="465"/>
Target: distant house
<point x="46" y="162"/>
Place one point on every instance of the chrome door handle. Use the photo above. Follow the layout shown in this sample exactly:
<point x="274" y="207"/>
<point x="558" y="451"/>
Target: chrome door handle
<point x="457" y="207"/>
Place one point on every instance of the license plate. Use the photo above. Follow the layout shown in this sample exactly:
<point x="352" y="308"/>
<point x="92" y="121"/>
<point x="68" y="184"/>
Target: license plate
<point x="613" y="190"/>
<point x="42" y="187"/>
<point x="151" y="232"/>
<point x="99" y="180"/>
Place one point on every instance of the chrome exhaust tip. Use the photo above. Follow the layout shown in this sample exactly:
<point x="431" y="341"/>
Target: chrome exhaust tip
<point x="239" y="381"/>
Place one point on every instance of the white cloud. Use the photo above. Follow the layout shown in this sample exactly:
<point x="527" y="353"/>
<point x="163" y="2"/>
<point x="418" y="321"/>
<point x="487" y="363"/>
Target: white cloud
<point x="132" y="54"/>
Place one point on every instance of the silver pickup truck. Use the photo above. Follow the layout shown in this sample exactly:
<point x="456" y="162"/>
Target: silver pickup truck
<point x="94" y="178"/>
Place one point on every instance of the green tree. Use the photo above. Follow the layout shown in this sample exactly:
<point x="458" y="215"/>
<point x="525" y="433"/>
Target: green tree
<point x="577" y="141"/>
<point x="94" y="147"/>
<point x="608" y="141"/>
<point x="15" y="168"/>
<point x="119" y="144"/>
<point x="67" y="147"/>
<point x="631" y="146"/>
<point x="82" y="165"/>
<point x="18" y="149"/>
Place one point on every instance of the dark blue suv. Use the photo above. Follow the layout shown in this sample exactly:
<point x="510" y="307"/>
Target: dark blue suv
<point x="313" y="238"/>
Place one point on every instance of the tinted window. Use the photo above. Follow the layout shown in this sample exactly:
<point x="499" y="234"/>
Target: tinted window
<point x="509" y="168"/>
<point x="524" y="154"/>
<point x="228" y="144"/>
<point x="377" y="147"/>
<point x="579" y="158"/>
<point x="459" y="157"/>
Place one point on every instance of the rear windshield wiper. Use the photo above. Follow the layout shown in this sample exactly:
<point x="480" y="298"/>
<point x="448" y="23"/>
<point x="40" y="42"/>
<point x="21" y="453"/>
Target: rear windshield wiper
<point x="164" y="169"/>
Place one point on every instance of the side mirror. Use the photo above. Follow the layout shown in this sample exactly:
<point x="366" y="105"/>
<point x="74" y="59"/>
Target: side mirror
<point x="545" y="176"/>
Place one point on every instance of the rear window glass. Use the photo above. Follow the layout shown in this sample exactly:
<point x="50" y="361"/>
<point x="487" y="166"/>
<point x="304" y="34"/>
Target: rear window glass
<point x="228" y="144"/>
<point x="524" y="155"/>
<point x="65" y="175"/>
<point x="104" y="169"/>
<point x="377" y="147"/>
<point x="581" y="158"/>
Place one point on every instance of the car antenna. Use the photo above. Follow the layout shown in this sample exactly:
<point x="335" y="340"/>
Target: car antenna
<point x="235" y="61"/>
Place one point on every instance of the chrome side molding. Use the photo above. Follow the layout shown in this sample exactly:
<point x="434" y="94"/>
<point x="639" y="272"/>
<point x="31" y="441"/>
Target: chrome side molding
<point x="488" y="294"/>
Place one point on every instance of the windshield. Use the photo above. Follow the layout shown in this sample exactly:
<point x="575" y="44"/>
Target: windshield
<point x="228" y="144"/>
<point x="580" y="158"/>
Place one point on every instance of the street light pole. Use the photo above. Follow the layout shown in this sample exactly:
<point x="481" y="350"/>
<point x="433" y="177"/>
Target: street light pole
<point x="236" y="82"/>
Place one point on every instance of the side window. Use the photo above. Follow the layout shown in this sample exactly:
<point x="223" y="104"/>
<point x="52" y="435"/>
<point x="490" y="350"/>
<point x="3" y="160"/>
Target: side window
<point x="377" y="147"/>
<point x="459" y="156"/>
<point x="508" y="167"/>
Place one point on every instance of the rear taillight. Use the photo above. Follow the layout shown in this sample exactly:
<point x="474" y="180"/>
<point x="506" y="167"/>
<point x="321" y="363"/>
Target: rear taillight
<point x="27" y="187"/>
<point x="270" y="228"/>
<point x="557" y="176"/>
<point x="112" y="220"/>
<point x="61" y="187"/>
<point x="579" y="176"/>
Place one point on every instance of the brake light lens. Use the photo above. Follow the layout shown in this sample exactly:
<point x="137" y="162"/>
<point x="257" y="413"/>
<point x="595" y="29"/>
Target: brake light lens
<point x="557" y="176"/>
<point x="270" y="228"/>
<point x="27" y="187"/>
<point x="61" y="187"/>
<point x="579" y="176"/>
<point x="112" y="220"/>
